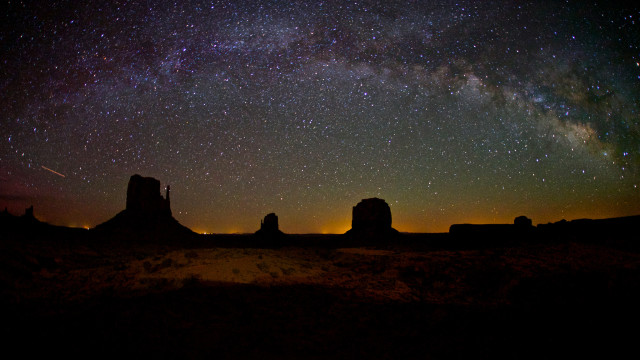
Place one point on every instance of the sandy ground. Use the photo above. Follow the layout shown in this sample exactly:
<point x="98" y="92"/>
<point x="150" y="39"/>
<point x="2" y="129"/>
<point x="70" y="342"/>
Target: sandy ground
<point x="443" y="276"/>
<point x="159" y="301"/>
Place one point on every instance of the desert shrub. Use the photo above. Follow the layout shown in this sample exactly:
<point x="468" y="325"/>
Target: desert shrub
<point x="263" y="266"/>
<point x="324" y="254"/>
<point x="156" y="284"/>
<point x="192" y="280"/>
<point x="412" y="274"/>
<point x="165" y="264"/>
<point x="492" y="280"/>
<point x="379" y="265"/>
<point x="147" y="266"/>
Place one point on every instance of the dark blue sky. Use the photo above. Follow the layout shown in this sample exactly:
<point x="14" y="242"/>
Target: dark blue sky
<point x="467" y="111"/>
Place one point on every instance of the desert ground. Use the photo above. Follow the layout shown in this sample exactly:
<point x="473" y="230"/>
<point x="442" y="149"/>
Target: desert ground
<point x="79" y="296"/>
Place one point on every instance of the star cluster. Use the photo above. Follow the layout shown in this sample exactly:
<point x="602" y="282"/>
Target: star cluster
<point x="466" y="111"/>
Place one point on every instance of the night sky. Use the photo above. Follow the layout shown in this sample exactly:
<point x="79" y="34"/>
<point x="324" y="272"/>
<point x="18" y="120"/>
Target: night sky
<point x="451" y="111"/>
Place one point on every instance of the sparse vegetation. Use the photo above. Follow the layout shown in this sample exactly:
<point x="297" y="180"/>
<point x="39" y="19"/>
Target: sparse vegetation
<point x="192" y="280"/>
<point x="335" y="295"/>
<point x="147" y="266"/>
<point x="263" y="267"/>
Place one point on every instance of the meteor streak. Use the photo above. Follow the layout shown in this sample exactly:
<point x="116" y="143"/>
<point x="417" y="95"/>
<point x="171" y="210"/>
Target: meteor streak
<point x="55" y="172"/>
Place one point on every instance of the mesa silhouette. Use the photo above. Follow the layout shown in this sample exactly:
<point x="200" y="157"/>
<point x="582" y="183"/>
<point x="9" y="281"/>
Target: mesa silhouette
<point x="147" y="217"/>
<point x="148" y="285"/>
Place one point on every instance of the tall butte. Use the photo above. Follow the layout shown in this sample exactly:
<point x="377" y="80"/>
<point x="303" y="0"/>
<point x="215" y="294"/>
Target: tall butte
<point x="372" y="220"/>
<point x="143" y="197"/>
<point x="146" y="212"/>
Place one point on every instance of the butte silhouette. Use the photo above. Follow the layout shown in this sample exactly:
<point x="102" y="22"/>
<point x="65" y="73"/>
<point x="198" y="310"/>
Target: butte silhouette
<point x="371" y="219"/>
<point x="146" y="212"/>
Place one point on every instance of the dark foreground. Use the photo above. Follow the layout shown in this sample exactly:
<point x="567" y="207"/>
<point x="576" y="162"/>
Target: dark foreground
<point x="78" y="296"/>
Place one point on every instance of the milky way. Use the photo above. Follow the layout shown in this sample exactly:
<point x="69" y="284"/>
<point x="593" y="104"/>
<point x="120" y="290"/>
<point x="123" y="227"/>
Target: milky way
<point x="467" y="111"/>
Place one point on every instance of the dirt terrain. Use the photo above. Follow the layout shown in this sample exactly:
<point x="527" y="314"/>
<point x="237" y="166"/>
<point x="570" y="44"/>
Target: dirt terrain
<point x="77" y="296"/>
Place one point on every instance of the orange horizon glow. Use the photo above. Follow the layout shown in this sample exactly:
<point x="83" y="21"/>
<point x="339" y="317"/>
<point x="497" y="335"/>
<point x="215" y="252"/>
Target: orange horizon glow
<point x="404" y="222"/>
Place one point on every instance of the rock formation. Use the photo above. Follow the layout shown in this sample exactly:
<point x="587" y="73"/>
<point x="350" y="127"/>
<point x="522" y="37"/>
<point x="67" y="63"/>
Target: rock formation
<point x="371" y="218"/>
<point x="269" y="227"/>
<point x="609" y="231"/>
<point x="143" y="197"/>
<point x="25" y="222"/>
<point x="29" y="217"/>
<point x="270" y="223"/>
<point x="523" y="221"/>
<point x="371" y="213"/>
<point x="146" y="211"/>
